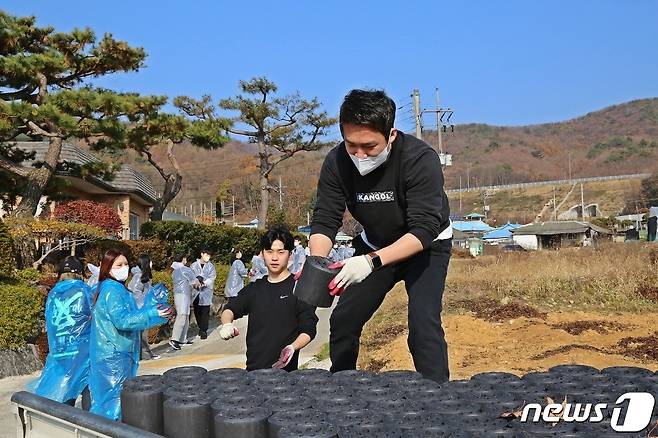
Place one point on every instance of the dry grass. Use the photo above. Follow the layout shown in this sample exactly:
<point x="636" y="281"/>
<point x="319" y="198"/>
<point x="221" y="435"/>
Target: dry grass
<point x="613" y="277"/>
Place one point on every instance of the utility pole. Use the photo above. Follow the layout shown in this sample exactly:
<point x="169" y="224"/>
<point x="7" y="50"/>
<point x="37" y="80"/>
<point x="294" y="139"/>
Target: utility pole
<point x="233" y="209"/>
<point x="582" y="202"/>
<point x="569" y="164"/>
<point x="446" y="159"/>
<point x="554" y="206"/>
<point x="438" y="120"/>
<point x="417" y="114"/>
<point x="460" y="195"/>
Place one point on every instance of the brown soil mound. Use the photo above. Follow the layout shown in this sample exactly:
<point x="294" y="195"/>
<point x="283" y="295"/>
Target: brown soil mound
<point x="642" y="347"/>
<point x="384" y="335"/>
<point x="648" y="292"/>
<point x="565" y="349"/>
<point x="375" y="365"/>
<point x="601" y="327"/>
<point x="490" y="310"/>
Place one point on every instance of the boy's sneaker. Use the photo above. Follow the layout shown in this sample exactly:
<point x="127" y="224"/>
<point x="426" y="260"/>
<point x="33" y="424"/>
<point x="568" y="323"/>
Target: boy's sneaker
<point x="186" y="343"/>
<point x="156" y="357"/>
<point x="203" y="335"/>
<point x="175" y="345"/>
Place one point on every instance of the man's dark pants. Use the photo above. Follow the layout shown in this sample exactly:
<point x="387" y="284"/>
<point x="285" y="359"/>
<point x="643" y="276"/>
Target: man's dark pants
<point x="202" y="316"/>
<point x="424" y="276"/>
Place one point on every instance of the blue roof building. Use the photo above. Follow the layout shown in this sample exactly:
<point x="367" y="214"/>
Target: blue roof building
<point x="476" y="227"/>
<point x="502" y="233"/>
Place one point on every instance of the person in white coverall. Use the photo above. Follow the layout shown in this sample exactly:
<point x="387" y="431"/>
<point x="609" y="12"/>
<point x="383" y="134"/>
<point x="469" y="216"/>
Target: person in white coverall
<point x="185" y="282"/>
<point x="297" y="258"/>
<point x="206" y="274"/>
<point x="236" y="276"/>
<point x="258" y="269"/>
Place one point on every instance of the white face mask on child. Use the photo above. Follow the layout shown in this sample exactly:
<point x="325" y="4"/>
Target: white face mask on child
<point x="120" y="274"/>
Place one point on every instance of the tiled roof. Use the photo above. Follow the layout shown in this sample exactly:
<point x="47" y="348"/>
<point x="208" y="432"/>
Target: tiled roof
<point x="126" y="180"/>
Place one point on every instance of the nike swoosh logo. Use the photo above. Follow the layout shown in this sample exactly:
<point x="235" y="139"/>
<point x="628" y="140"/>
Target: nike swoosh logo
<point x="283" y="296"/>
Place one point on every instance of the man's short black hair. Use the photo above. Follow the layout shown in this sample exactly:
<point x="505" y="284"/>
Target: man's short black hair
<point x="372" y="108"/>
<point x="206" y="250"/>
<point x="277" y="233"/>
<point x="179" y="257"/>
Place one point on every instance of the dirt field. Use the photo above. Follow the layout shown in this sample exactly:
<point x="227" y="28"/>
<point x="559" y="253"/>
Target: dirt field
<point x="531" y="311"/>
<point x="520" y="345"/>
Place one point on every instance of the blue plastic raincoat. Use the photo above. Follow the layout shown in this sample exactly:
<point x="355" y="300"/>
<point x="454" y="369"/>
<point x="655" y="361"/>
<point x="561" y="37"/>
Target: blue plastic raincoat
<point x="68" y="323"/>
<point x="115" y="344"/>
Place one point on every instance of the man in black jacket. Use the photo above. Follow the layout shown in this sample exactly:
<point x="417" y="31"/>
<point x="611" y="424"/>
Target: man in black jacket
<point x="392" y="184"/>
<point x="279" y="324"/>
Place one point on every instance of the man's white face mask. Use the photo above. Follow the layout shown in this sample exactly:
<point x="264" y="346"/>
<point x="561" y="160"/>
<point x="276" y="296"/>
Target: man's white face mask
<point x="368" y="164"/>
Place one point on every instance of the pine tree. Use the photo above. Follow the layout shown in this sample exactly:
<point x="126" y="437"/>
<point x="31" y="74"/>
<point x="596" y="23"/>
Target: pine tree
<point x="44" y="94"/>
<point x="280" y="126"/>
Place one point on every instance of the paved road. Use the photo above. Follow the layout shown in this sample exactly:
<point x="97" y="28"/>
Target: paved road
<point x="211" y="353"/>
<point x="214" y="352"/>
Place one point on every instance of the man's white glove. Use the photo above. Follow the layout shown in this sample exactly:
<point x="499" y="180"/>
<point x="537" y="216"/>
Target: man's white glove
<point x="228" y="331"/>
<point x="355" y="270"/>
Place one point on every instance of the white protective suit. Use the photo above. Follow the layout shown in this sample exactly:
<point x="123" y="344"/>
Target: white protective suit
<point x="258" y="268"/>
<point x="209" y="274"/>
<point x="297" y="259"/>
<point x="137" y="288"/>
<point x="95" y="272"/>
<point x="333" y="255"/>
<point x="182" y="277"/>
<point x="235" y="279"/>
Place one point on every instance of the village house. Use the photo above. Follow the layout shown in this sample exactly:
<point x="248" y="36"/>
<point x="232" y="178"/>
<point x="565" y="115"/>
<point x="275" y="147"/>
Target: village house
<point x="130" y="193"/>
<point x="558" y="234"/>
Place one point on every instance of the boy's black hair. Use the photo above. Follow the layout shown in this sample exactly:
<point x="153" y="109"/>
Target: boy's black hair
<point x="277" y="233"/>
<point x="372" y="108"/>
<point x="206" y="250"/>
<point x="179" y="257"/>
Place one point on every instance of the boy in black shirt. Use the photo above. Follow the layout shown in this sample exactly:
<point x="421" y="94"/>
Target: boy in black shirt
<point x="279" y="324"/>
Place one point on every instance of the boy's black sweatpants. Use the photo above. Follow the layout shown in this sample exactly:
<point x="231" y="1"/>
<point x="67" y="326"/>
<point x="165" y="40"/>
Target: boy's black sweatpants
<point x="202" y="315"/>
<point x="424" y="275"/>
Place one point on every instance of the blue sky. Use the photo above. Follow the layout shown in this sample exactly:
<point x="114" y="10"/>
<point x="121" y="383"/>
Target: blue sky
<point x="498" y="62"/>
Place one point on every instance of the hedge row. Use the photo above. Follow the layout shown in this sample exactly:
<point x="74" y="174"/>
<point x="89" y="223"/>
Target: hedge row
<point x="189" y="238"/>
<point x="155" y="249"/>
<point x="21" y="310"/>
<point x="7" y="252"/>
